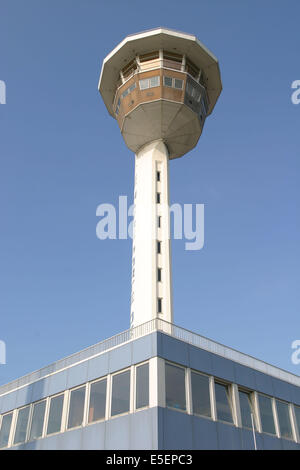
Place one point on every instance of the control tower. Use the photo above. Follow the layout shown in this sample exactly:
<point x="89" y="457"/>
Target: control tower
<point x="160" y="86"/>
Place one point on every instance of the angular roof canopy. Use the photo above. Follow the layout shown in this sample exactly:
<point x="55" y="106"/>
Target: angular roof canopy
<point x="159" y="38"/>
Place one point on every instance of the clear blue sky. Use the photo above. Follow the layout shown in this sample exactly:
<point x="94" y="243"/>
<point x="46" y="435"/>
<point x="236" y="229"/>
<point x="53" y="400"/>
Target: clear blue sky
<point x="61" y="155"/>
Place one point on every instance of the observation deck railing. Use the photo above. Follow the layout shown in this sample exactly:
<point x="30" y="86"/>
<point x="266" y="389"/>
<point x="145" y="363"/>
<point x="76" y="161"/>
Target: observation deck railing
<point x="143" y="330"/>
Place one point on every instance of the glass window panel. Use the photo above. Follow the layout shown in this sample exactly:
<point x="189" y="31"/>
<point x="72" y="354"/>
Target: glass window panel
<point x="178" y="83"/>
<point x="97" y="401"/>
<point x="76" y="407"/>
<point x="22" y="424"/>
<point x="223" y="402"/>
<point x="142" y="386"/>
<point x="246" y="409"/>
<point x="175" y="387"/>
<point x="266" y="414"/>
<point x="37" y="421"/>
<point x="132" y="87"/>
<point x="154" y="81"/>
<point x="55" y="414"/>
<point x="297" y="415"/>
<point x="120" y="393"/>
<point x="283" y="414"/>
<point x="200" y="394"/>
<point x="125" y="93"/>
<point x="5" y="429"/>
<point x="168" y="81"/>
<point x="144" y="84"/>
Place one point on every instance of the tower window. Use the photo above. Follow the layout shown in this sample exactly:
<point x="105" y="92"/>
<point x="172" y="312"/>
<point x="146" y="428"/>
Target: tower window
<point x="159" y="305"/>
<point x="158" y="176"/>
<point x="159" y="221"/>
<point x="158" y="247"/>
<point x="149" y="82"/>
<point x="159" y="274"/>
<point x="158" y="198"/>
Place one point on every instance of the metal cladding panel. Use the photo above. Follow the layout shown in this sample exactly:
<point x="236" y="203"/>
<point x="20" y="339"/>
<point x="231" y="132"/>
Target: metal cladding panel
<point x="229" y="437"/>
<point x="77" y="374"/>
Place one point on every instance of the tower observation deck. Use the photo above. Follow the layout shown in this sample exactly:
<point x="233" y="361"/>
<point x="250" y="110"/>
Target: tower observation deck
<point x="160" y="86"/>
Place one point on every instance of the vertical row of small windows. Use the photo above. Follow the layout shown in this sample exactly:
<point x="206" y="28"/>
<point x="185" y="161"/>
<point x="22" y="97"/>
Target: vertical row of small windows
<point x="31" y="419"/>
<point x="158" y="246"/>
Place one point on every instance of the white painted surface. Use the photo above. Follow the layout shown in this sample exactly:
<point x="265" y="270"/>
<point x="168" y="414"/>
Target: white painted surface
<point x="145" y="260"/>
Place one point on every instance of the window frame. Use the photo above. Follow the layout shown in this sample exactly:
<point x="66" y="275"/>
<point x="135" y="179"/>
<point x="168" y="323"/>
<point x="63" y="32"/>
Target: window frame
<point x="224" y="383"/>
<point x="12" y="412"/>
<point x="148" y="80"/>
<point x="63" y="417"/>
<point x="273" y="414"/>
<point x="101" y="379"/>
<point x="17" y="411"/>
<point x="173" y="80"/>
<point x="67" y="415"/>
<point x="194" y="371"/>
<point x="33" y="404"/>
<point x="251" y="394"/>
<point x="127" y="369"/>
<point x="186" y="391"/>
<point x="290" y="416"/>
<point x="135" y="384"/>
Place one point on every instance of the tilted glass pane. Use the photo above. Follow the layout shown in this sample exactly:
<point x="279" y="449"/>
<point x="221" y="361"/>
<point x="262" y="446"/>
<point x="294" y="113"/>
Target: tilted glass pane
<point x="120" y="393"/>
<point x="266" y="414"/>
<point x="223" y="403"/>
<point x="97" y="401"/>
<point x="22" y="424"/>
<point x="246" y="409"/>
<point x="5" y="429"/>
<point x="142" y="386"/>
<point x="297" y="415"/>
<point x="55" y="414"/>
<point x="283" y="414"/>
<point x="175" y="387"/>
<point x="37" y="422"/>
<point x="200" y="394"/>
<point x="76" y="407"/>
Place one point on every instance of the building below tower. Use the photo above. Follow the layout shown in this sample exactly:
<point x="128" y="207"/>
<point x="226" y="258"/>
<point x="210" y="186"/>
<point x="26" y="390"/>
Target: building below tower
<point x="156" y="386"/>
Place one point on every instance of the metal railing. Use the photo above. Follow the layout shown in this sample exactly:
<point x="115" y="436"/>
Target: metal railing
<point x="142" y="330"/>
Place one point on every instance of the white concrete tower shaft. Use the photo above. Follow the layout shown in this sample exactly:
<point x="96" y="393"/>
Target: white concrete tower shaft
<point x="151" y="295"/>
